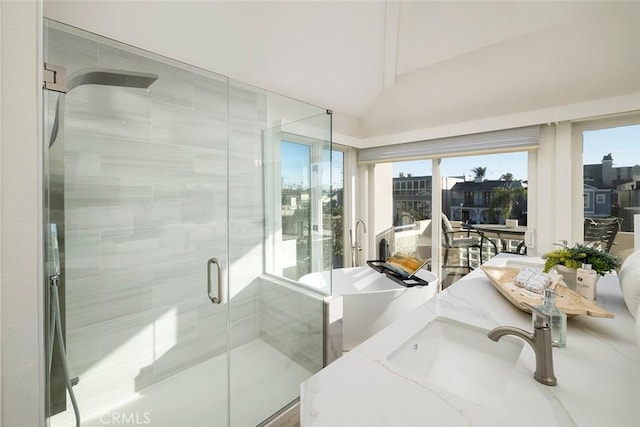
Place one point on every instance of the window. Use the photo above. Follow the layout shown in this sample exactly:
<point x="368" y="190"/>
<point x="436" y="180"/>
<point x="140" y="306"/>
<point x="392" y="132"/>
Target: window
<point x="500" y="183"/>
<point x="468" y="198"/>
<point x="611" y="173"/>
<point x="296" y="209"/>
<point x="411" y="210"/>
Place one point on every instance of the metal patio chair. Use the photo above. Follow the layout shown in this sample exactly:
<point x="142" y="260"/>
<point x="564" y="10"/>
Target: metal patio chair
<point x="601" y="232"/>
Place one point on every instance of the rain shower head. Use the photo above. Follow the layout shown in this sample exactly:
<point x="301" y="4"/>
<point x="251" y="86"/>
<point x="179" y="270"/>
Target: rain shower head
<point x="107" y="77"/>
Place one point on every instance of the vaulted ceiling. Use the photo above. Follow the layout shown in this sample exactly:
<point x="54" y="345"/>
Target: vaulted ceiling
<point x="390" y="67"/>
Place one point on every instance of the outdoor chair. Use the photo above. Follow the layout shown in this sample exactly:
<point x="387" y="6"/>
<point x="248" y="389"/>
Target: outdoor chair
<point x="463" y="238"/>
<point x="601" y="232"/>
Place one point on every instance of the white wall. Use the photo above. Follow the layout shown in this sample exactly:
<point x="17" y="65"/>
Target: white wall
<point x="20" y="181"/>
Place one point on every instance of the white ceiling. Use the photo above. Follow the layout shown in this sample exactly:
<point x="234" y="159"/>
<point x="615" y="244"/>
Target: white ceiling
<point x="393" y="66"/>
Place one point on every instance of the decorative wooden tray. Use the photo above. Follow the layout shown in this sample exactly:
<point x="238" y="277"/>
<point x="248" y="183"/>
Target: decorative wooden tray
<point x="567" y="301"/>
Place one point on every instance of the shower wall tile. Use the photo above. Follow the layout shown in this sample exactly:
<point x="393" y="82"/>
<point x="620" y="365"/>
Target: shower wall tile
<point x="84" y="309"/>
<point x="244" y="331"/>
<point x="174" y="325"/>
<point x="82" y="254"/>
<point x="127" y="337"/>
<point x="83" y="349"/>
<point x="89" y="191"/>
<point x="81" y="155"/>
<point x="210" y="167"/>
<point x="212" y="326"/>
<point x="97" y="218"/>
<point x="246" y="260"/>
<point x="245" y="304"/>
<point x="102" y="203"/>
<point x="165" y="211"/>
<point x="178" y="284"/>
<point x="203" y="203"/>
<point x="209" y="239"/>
<point x="126" y="249"/>
<point x="111" y="282"/>
<point x="142" y="163"/>
<point x="292" y="322"/>
<point x="108" y="111"/>
<point x="179" y="125"/>
<point x="211" y="94"/>
<point x="247" y="103"/>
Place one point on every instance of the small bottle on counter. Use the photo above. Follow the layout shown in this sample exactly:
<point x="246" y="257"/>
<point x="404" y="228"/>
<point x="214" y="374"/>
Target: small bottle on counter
<point x="558" y="320"/>
<point x="586" y="279"/>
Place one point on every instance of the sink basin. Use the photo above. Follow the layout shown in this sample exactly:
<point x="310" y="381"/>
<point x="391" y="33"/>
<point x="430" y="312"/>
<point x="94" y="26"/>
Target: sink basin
<point x="459" y="358"/>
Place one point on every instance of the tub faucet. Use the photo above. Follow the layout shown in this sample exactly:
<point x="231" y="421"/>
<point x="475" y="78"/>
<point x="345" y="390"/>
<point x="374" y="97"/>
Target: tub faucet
<point x="539" y="340"/>
<point x="355" y="245"/>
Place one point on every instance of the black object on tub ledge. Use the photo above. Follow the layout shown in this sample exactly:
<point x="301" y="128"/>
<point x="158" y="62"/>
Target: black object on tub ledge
<point x="409" y="282"/>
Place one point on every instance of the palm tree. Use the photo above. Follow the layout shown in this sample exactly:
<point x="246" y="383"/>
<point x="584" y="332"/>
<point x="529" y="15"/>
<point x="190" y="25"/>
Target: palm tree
<point x="507" y="177"/>
<point x="504" y="199"/>
<point x="479" y="171"/>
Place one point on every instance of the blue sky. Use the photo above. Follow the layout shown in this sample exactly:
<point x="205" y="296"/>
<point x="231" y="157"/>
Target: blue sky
<point x="295" y="166"/>
<point x="622" y="142"/>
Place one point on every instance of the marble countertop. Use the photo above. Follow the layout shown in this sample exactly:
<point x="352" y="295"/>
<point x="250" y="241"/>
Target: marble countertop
<point x="598" y="373"/>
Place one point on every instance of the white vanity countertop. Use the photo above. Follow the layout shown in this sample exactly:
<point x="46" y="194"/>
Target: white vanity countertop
<point x="598" y="373"/>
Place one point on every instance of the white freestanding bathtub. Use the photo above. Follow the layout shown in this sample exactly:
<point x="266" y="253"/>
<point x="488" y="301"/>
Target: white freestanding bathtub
<point x="371" y="300"/>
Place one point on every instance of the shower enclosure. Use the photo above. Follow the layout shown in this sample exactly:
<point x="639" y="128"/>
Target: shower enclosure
<point x="167" y="297"/>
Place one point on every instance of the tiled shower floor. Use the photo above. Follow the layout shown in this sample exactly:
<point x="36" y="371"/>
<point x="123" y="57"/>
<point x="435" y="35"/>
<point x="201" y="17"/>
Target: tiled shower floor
<point x="262" y="378"/>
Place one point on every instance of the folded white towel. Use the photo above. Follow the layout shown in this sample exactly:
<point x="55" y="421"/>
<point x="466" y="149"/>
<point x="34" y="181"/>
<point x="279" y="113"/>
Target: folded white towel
<point x="532" y="280"/>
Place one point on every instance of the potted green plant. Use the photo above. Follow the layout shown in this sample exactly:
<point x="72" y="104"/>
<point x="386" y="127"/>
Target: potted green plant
<point x="566" y="260"/>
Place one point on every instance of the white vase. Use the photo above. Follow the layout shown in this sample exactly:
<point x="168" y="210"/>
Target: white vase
<point x="568" y="275"/>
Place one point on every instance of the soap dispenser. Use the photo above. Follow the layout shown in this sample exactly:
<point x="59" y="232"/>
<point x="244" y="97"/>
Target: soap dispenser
<point x="558" y="320"/>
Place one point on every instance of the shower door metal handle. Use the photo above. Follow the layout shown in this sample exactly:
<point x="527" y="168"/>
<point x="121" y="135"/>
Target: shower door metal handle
<point x="214" y="299"/>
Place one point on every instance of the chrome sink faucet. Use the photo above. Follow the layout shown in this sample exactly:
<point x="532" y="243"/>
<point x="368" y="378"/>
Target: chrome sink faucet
<point x="539" y="340"/>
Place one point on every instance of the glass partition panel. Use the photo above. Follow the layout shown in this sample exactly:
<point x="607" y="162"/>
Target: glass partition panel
<point x="300" y="201"/>
<point x="278" y="225"/>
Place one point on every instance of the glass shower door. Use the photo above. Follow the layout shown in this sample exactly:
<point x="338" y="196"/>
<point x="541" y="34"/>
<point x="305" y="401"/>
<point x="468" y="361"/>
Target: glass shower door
<point x="137" y="185"/>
